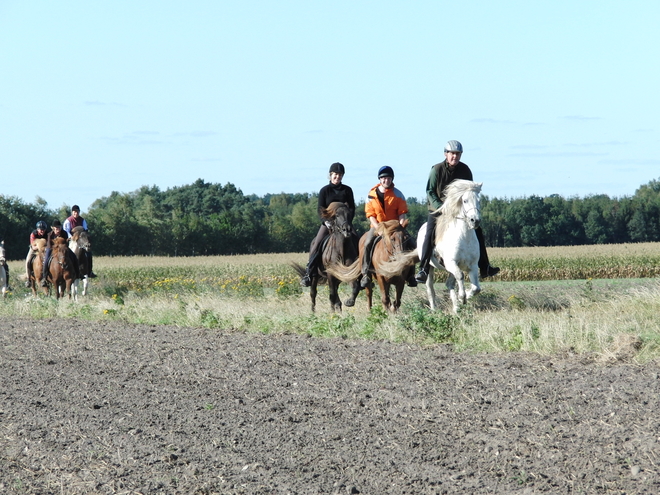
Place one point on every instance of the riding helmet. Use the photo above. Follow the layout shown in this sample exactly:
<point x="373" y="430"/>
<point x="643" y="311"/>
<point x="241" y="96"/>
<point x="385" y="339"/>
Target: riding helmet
<point x="75" y="208"/>
<point x="337" y="168"/>
<point x="385" y="171"/>
<point x="41" y="225"/>
<point x="57" y="223"/>
<point x="454" y="146"/>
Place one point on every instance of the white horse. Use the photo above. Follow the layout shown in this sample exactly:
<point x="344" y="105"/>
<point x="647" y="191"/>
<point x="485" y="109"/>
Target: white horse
<point x="456" y="245"/>
<point x="3" y="275"/>
<point x="456" y="248"/>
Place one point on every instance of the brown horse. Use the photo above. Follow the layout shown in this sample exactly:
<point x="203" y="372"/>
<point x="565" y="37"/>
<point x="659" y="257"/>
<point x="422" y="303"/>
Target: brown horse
<point x="61" y="272"/>
<point x="80" y="244"/>
<point x="338" y="248"/>
<point x="39" y="248"/>
<point x="393" y="239"/>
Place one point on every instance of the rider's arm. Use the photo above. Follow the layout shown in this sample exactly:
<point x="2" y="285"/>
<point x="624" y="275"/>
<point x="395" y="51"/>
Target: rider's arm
<point x="67" y="227"/>
<point x="432" y="189"/>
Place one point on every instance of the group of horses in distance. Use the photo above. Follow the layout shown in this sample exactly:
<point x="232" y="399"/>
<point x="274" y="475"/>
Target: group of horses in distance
<point x="61" y="273"/>
<point x="456" y="251"/>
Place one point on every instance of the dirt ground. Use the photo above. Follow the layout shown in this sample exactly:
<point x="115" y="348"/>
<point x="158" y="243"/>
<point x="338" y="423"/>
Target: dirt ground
<point x="114" y="408"/>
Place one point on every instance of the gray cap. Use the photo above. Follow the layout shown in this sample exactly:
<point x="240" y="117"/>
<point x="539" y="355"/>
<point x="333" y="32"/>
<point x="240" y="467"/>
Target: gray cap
<point x="454" y="145"/>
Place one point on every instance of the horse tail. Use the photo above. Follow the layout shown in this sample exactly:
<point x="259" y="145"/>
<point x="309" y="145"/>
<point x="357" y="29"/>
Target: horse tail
<point x="345" y="273"/>
<point x="396" y="266"/>
<point x="300" y="270"/>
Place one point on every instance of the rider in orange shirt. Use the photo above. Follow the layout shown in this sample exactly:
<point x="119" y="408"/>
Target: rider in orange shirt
<point x="384" y="202"/>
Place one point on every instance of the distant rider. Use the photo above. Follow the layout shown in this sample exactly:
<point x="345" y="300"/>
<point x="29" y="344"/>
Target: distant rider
<point x="75" y="220"/>
<point x="57" y="231"/>
<point x="38" y="233"/>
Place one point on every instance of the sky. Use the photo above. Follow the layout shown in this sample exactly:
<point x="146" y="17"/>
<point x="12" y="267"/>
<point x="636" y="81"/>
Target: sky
<point x="547" y="97"/>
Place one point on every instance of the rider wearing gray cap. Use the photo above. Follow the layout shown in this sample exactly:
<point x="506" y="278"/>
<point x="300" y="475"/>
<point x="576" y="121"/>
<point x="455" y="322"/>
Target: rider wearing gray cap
<point x="442" y="174"/>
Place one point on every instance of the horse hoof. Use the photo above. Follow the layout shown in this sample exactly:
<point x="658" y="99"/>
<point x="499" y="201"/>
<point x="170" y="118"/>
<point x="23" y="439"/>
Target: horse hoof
<point x="349" y="302"/>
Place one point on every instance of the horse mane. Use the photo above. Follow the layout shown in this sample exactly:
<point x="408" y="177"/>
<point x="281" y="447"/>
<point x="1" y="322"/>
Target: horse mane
<point x="39" y="245"/>
<point x="452" y="203"/>
<point x="385" y="230"/>
<point x="331" y="211"/>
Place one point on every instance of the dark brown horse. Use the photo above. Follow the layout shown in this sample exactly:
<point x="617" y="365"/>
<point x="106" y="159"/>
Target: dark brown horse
<point x="61" y="272"/>
<point x="393" y="240"/>
<point x="338" y="248"/>
<point x="80" y="244"/>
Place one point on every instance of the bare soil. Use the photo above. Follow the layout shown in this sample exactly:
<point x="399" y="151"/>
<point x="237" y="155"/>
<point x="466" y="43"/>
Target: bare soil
<point x="115" y="408"/>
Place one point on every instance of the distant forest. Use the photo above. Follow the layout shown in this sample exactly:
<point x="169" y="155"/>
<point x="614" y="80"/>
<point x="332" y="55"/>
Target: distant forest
<point x="211" y="219"/>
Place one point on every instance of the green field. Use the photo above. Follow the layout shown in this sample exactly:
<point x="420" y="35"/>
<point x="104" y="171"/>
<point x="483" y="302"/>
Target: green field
<point x="546" y="300"/>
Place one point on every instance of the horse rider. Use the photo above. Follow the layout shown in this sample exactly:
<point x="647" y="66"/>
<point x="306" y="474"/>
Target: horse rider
<point x="335" y="190"/>
<point x="75" y="220"/>
<point x="441" y="175"/>
<point x="55" y="232"/>
<point x="384" y="202"/>
<point x="3" y="264"/>
<point x="38" y="233"/>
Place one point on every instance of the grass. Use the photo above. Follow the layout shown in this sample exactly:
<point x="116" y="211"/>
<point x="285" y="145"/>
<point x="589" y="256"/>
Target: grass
<point x="613" y="317"/>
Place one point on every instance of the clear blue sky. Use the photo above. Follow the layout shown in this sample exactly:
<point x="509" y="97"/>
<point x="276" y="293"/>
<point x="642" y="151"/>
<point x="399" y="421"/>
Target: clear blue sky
<point x="546" y="96"/>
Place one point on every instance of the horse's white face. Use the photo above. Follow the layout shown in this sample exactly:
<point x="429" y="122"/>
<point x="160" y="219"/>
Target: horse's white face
<point x="471" y="209"/>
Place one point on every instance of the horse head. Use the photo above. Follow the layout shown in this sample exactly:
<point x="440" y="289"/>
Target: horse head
<point x="81" y="237"/>
<point x="338" y="215"/>
<point x="462" y="202"/>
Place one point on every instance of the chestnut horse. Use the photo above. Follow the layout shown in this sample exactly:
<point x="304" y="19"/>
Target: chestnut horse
<point x="391" y="241"/>
<point x="39" y="248"/>
<point x="338" y="248"/>
<point x="61" y="272"/>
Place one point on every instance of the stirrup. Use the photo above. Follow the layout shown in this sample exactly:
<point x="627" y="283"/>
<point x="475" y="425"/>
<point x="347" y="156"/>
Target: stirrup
<point x="306" y="281"/>
<point x="421" y="276"/>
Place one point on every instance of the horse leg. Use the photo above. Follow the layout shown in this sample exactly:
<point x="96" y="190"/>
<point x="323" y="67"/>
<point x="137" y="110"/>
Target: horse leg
<point x="475" y="287"/>
<point x="399" y="292"/>
<point x="451" y="287"/>
<point x="335" y="302"/>
<point x="430" y="289"/>
<point x="384" y="293"/>
<point x="369" y="292"/>
<point x="313" y="291"/>
<point x="355" y="290"/>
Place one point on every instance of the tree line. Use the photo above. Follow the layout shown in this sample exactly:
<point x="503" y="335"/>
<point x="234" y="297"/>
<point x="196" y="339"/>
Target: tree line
<point x="211" y="219"/>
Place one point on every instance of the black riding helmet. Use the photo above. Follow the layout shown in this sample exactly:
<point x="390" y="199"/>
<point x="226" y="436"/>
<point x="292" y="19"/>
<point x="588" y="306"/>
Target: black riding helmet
<point x="41" y="225"/>
<point x="385" y="171"/>
<point x="337" y="168"/>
